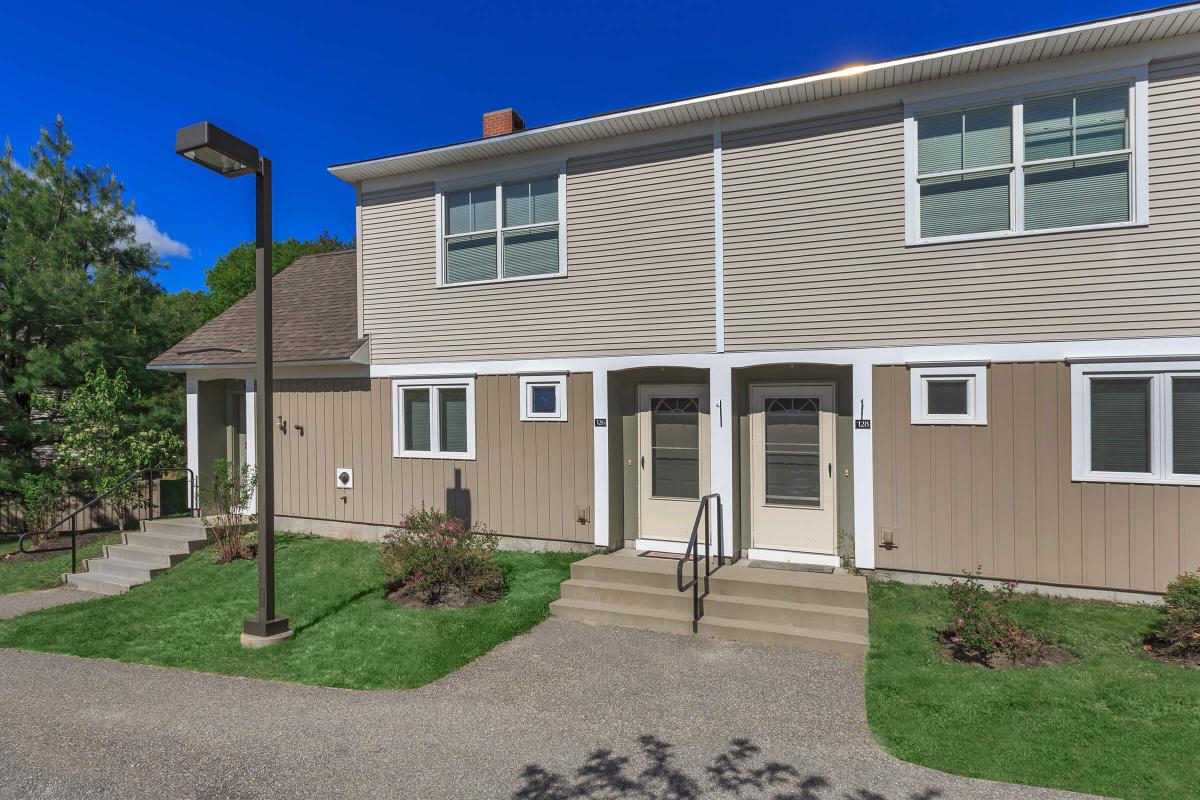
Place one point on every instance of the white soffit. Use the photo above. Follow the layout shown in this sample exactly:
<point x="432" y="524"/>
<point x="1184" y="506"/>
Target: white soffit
<point x="1085" y="37"/>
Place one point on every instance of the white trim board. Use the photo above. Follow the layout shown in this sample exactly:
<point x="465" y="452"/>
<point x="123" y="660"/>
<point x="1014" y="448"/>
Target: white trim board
<point x="793" y="557"/>
<point x="1075" y="350"/>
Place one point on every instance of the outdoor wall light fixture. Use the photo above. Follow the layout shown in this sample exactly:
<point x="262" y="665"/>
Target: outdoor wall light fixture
<point x="226" y="154"/>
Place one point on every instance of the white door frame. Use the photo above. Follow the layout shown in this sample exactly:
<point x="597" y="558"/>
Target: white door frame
<point x="645" y="392"/>
<point x="828" y="438"/>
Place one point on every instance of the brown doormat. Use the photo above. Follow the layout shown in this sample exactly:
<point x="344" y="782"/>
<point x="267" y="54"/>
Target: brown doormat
<point x="660" y="554"/>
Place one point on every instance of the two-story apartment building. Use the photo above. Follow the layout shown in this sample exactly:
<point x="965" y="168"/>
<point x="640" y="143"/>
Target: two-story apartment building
<point x="924" y="315"/>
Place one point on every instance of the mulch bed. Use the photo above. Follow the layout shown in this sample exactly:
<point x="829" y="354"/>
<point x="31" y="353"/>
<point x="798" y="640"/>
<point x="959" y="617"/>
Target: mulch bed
<point x="1152" y="646"/>
<point x="38" y="551"/>
<point x="1034" y="652"/>
<point x="444" y="597"/>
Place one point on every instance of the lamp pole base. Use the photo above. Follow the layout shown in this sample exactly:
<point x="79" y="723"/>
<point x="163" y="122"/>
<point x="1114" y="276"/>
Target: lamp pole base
<point x="253" y="642"/>
<point x="258" y="633"/>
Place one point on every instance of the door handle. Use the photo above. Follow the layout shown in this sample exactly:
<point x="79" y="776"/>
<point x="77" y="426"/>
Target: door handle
<point x="643" y="461"/>
<point x="830" y="465"/>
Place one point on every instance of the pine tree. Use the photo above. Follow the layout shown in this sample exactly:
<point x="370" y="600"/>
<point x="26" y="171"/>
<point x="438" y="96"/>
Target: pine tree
<point x="76" y="293"/>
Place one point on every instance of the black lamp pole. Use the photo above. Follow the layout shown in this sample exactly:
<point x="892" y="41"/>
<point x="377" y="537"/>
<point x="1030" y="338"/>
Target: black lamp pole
<point x="227" y="155"/>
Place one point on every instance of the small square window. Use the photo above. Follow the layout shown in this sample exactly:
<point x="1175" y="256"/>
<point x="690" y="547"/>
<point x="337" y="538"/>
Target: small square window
<point x="544" y="398"/>
<point x="949" y="395"/>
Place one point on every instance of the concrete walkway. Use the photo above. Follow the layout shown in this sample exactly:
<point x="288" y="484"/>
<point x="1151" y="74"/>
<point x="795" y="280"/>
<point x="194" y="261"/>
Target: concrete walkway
<point x="18" y="603"/>
<point x="567" y="711"/>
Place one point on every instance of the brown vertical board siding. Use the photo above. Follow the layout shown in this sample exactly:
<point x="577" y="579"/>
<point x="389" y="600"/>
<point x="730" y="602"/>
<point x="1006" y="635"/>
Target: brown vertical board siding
<point x="1166" y="533"/>
<point x="1046" y="427"/>
<point x="527" y="479"/>
<point x="1004" y="500"/>
<point x="1189" y="528"/>
<point x="1025" y="468"/>
<point x="941" y="493"/>
<point x="1141" y="537"/>
<point x="1070" y="500"/>
<point x="1116" y="533"/>
<point x="1000" y="495"/>
<point x="814" y="249"/>
<point x="1095" y="541"/>
<point x="962" y="516"/>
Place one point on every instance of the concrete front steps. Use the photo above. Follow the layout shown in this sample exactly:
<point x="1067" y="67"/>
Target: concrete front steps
<point x="160" y="544"/>
<point x="812" y="611"/>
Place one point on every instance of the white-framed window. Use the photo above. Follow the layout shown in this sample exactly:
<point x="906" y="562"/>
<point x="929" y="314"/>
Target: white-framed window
<point x="543" y="398"/>
<point x="949" y="394"/>
<point x="1136" y="422"/>
<point x="433" y="418"/>
<point x="1068" y="155"/>
<point x="505" y="228"/>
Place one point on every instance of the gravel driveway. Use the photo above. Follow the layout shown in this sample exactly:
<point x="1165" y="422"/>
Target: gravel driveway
<point x="566" y="711"/>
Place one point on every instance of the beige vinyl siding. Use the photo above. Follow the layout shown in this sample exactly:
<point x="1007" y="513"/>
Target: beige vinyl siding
<point x="1000" y="496"/>
<point x="815" y="254"/>
<point x="640" y="269"/>
<point x="528" y="479"/>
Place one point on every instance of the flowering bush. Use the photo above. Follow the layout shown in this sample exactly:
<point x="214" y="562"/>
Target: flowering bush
<point x="980" y="624"/>
<point x="1178" y="630"/>
<point x="431" y="555"/>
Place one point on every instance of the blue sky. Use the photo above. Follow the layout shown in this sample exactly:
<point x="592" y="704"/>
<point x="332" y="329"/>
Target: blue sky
<point x="317" y="83"/>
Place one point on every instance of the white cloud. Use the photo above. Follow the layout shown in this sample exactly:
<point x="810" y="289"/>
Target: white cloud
<point x="146" y="232"/>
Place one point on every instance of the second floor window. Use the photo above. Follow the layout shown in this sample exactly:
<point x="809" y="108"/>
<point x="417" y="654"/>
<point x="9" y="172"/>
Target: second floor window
<point x="504" y="230"/>
<point x="1042" y="162"/>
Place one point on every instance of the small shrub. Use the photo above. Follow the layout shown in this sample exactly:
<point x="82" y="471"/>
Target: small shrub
<point x="980" y="624"/>
<point x="433" y="556"/>
<point x="1177" y="633"/>
<point x="225" y="500"/>
<point x="43" y="500"/>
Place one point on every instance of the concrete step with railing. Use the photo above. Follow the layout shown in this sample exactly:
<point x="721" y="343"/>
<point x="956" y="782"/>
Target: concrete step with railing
<point x="812" y="611"/>
<point x="144" y="555"/>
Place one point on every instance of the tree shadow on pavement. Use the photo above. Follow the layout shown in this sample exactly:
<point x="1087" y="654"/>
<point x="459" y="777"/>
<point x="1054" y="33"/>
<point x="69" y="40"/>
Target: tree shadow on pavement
<point x="739" y="771"/>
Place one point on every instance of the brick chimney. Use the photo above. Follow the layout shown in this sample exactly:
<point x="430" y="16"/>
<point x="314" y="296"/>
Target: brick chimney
<point x="498" y="123"/>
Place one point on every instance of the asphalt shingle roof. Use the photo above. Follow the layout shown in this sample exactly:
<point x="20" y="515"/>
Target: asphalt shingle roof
<point x="315" y="319"/>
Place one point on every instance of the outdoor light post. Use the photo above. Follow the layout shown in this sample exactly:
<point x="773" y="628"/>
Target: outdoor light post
<point x="224" y="153"/>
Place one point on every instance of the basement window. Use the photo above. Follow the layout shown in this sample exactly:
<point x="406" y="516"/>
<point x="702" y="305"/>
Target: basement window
<point x="543" y="398"/>
<point x="953" y="394"/>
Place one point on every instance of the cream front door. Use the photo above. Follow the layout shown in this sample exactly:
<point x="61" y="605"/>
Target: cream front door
<point x="672" y="460"/>
<point x="792" y="468"/>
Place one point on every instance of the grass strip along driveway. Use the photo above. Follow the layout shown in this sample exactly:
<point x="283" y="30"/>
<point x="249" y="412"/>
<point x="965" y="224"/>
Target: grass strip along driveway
<point x="347" y="633"/>
<point x="1114" y="723"/>
<point x="24" y="576"/>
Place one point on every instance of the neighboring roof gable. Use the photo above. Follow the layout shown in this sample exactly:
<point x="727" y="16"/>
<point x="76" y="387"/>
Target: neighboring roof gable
<point x="1142" y="26"/>
<point x="315" y="319"/>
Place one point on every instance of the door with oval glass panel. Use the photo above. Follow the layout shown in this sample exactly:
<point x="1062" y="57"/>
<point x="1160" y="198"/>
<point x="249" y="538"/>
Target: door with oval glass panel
<point x="792" y="468"/>
<point x="673" y="446"/>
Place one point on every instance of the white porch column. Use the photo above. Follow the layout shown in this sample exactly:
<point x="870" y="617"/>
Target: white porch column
<point x="600" y="524"/>
<point x="864" y="471"/>
<point x="720" y="456"/>
<point x="251" y="442"/>
<point x="192" y="427"/>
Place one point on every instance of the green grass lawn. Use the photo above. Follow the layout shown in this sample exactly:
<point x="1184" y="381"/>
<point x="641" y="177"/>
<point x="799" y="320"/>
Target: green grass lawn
<point x="347" y="633"/>
<point x="22" y="576"/>
<point x="1114" y="723"/>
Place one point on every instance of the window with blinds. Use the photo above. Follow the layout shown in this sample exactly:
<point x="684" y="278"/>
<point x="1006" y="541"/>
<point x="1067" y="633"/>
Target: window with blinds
<point x="1139" y="424"/>
<point x="1035" y="163"/>
<point x="964" y="164"/>
<point x="434" y="420"/>
<point x="504" y="230"/>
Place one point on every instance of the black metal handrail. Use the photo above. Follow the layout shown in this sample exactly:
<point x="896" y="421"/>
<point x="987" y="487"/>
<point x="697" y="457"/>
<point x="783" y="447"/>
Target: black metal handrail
<point x="147" y="474"/>
<point x="693" y="551"/>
